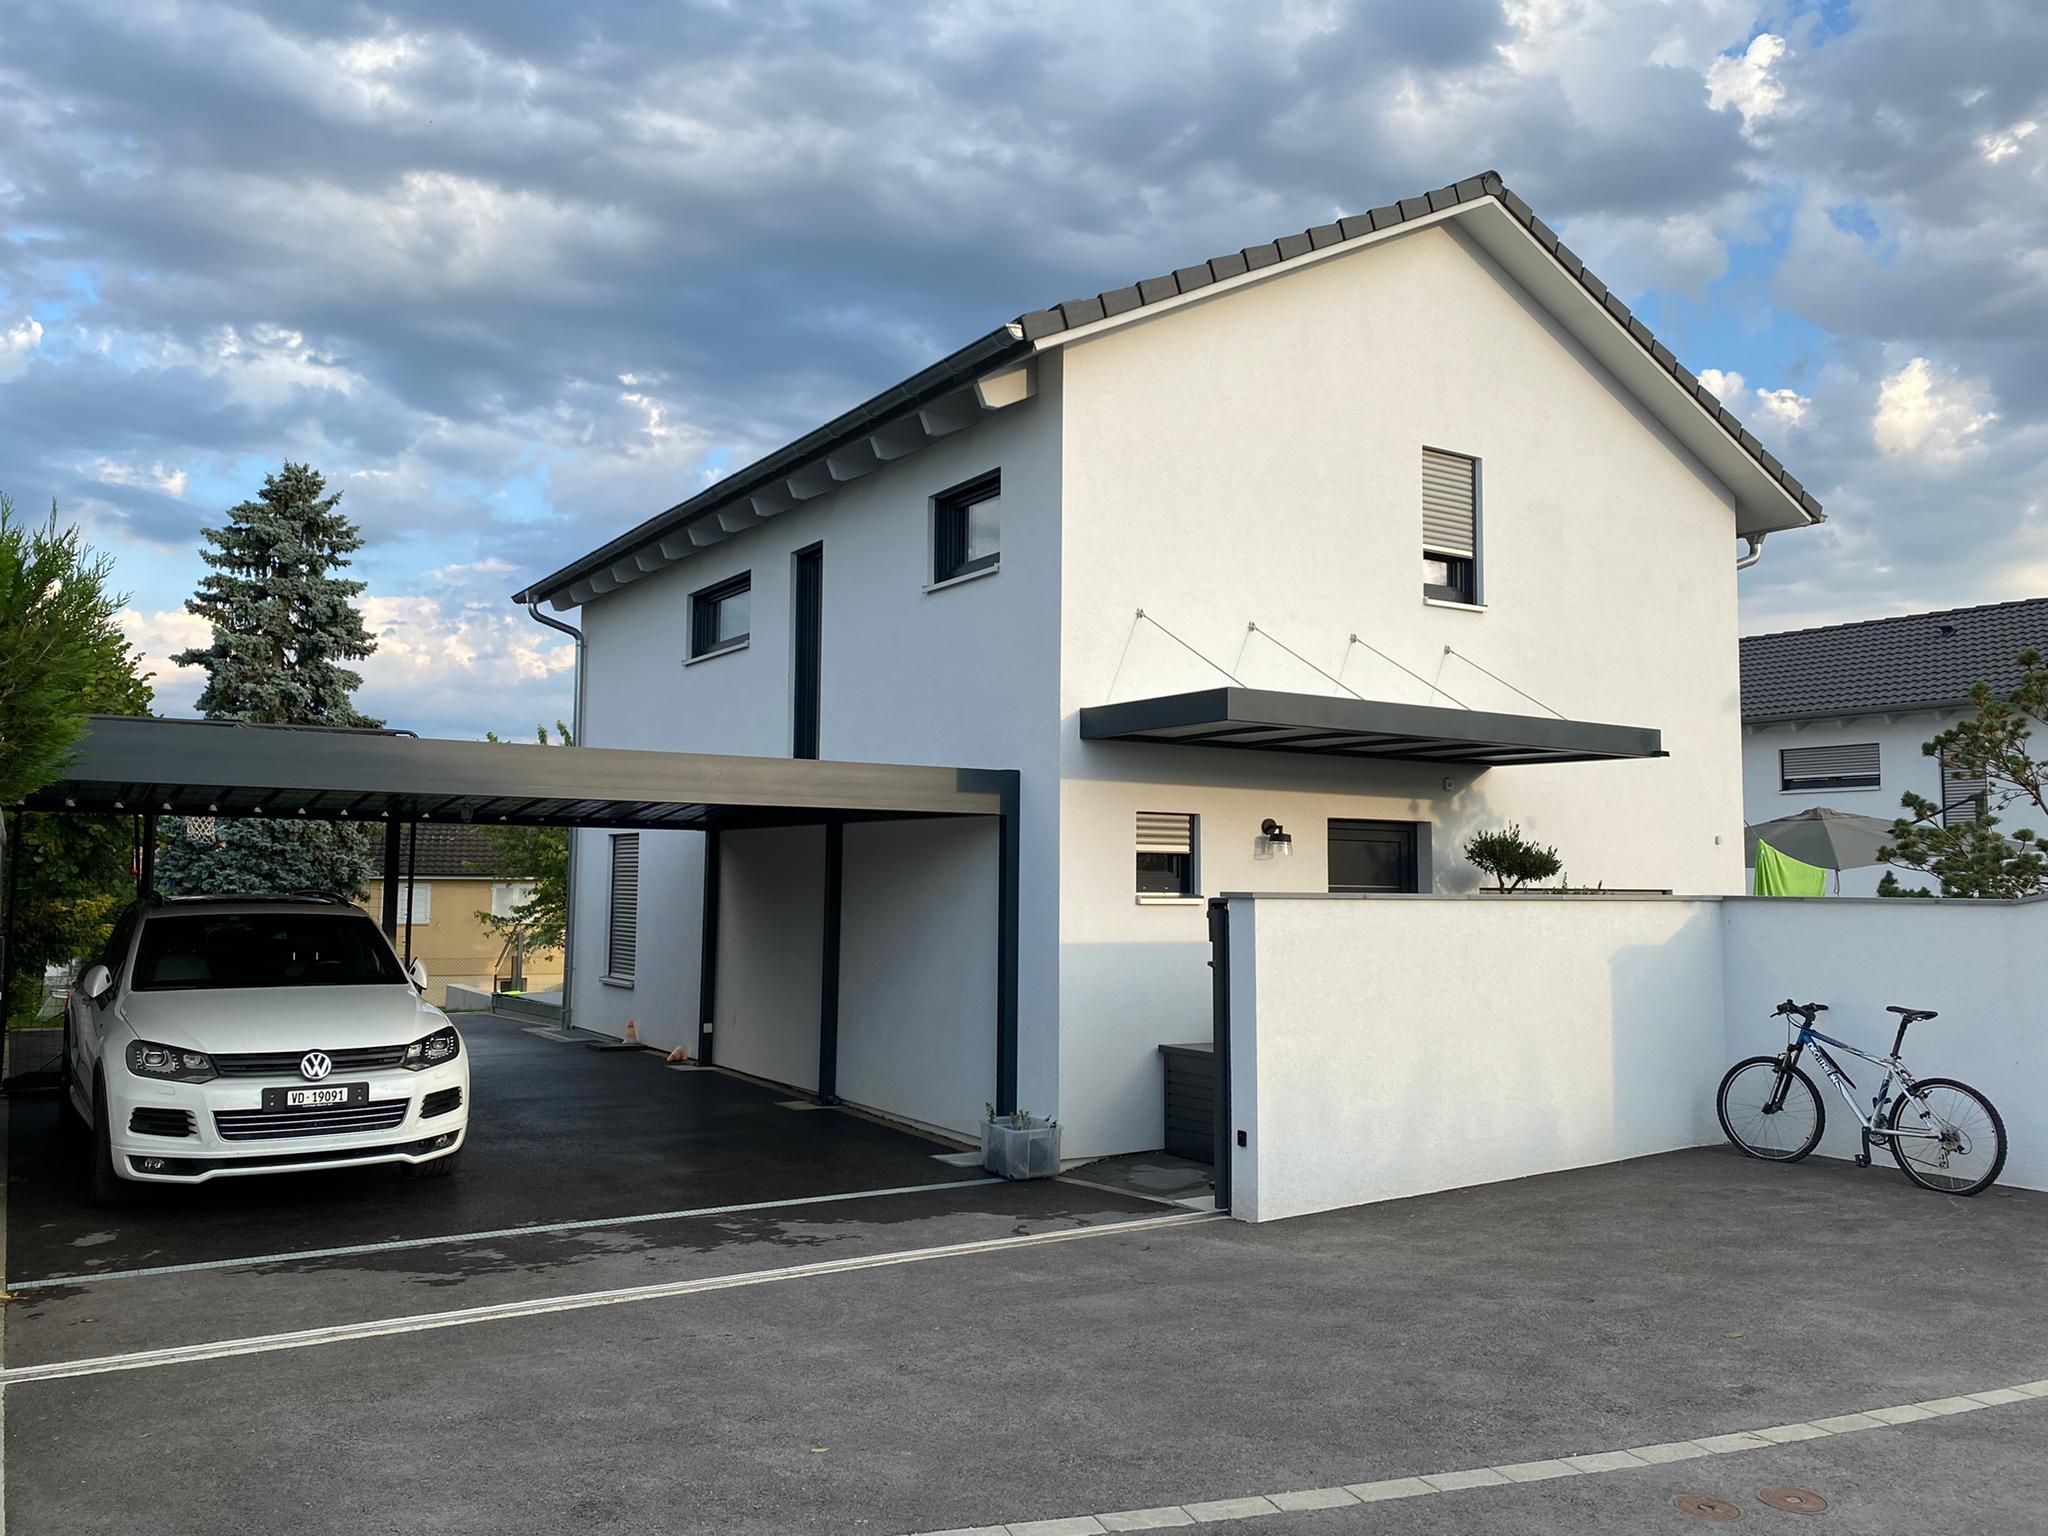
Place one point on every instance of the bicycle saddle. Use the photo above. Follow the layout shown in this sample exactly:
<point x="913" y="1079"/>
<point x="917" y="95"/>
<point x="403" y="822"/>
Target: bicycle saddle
<point x="1910" y="1015"/>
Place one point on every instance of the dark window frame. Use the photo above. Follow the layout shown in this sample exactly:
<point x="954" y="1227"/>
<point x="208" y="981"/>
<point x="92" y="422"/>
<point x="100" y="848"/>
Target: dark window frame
<point x="1161" y="875"/>
<point x="1812" y="783"/>
<point x="704" y="606"/>
<point x="950" y="513"/>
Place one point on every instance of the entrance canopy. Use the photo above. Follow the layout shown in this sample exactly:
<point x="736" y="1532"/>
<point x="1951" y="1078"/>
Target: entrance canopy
<point x="137" y="765"/>
<point x="1349" y="727"/>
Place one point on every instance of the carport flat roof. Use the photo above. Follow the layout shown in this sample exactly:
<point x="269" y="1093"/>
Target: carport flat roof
<point x="1367" y="728"/>
<point x="142" y="765"/>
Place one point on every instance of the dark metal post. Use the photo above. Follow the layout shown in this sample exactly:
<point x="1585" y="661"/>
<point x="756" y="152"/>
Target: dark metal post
<point x="412" y="864"/>
<point x="828" y="975"/>
<point x="145" y="879"/>
<point x="1219" y="1043"/>
<point x="388" y="919"/>
<point x="1006" y="955"/>
<point x="707" y="964"/>
<point x="11" y="850"/>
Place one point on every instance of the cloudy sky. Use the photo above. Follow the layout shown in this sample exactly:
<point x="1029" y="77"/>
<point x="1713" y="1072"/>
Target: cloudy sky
<point x="516" y="275"/>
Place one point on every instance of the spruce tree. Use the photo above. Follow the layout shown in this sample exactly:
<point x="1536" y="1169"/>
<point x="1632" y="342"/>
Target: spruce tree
<point x="285" y="624"/>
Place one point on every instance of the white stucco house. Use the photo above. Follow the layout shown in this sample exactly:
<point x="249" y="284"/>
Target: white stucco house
<point x="1286" y="571"/>
<point x="1839" y="716"/>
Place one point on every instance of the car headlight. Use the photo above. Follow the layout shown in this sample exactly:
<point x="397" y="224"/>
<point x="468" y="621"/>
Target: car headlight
<point x="442" y="1045"/>
<point x="169" y="1062"/>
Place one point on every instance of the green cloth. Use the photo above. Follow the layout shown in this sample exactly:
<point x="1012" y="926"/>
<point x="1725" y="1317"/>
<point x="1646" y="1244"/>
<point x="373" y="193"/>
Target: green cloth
<point x="1777" y="875"/>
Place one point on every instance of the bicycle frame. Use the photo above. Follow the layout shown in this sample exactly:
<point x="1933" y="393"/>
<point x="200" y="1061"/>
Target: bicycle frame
<point x="1809" y="1038"/>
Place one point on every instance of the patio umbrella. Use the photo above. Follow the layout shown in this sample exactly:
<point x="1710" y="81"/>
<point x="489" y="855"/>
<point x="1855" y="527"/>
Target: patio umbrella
<point x="1832" y="839"/>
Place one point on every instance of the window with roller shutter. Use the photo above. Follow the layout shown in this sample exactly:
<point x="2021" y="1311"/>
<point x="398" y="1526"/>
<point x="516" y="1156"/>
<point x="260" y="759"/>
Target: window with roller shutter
<point x="1166" y="854"/>
<point x="1450" y="526"/>
<point x="1963" y="796"/>
<point x="1845" y="767"/>
<point x="622" y="944"/>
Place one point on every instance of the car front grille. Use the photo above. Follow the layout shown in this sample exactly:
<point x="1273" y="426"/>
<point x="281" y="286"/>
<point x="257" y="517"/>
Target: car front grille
<point x="161" y="1122"/>
<point x="341" y="1120"/>
<point x="440" y="1102"/>
<point x="286" y="1063"/>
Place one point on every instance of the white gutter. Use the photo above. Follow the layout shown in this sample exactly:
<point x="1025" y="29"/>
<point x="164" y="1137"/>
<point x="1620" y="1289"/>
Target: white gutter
<point x="569" y="874"/>
<point x="1756" y="550"/>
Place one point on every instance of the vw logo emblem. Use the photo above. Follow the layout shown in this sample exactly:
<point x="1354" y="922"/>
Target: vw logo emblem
<point x="315" y="1065"/>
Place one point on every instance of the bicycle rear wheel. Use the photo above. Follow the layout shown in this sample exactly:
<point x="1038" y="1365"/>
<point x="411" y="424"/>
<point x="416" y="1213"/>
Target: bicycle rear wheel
<point x="1783" y="1134"/>
<point x="1967" y="1152"/>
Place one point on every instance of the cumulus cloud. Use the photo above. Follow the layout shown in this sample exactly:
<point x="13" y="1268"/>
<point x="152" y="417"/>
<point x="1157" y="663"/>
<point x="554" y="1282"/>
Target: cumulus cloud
<point x="1929" y="411"/>
<point x="18" y="344"/>
<point x="2007" y="142"/>
<point x="1779" y="407"/>
<point x="1748" y="81"/>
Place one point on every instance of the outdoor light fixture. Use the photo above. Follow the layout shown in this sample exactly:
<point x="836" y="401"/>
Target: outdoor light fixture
<point x="1274" y="840"/>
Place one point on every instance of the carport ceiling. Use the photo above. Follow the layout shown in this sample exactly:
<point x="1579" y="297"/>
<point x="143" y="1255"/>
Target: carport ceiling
<point x="137" y="765"/>
<point x="1335" y="727"/>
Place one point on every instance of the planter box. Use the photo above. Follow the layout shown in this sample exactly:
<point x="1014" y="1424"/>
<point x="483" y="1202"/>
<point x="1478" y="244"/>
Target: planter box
<point x="1028" y="1152"/>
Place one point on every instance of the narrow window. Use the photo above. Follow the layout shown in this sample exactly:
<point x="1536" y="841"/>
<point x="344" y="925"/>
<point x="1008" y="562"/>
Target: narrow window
<point x="967" y="528"/>
<point x="1450" y="526"/>
<point x="415" y="905"/>
<point x="1962" y="795"/>
<point x="1166" y="854"/>
<point x="1849" y="767"/>
<point x="622" y="943"/>
<point x="719" y="616"/>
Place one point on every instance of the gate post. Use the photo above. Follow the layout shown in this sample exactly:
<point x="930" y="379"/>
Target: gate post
<point x="1219" y="1042"/>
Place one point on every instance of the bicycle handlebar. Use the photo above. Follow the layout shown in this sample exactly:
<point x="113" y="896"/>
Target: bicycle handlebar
<point x="1809" y="1009"/>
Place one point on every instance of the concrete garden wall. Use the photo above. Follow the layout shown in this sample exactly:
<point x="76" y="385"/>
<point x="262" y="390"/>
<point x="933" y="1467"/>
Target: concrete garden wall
<point x="1392" y="1046"/>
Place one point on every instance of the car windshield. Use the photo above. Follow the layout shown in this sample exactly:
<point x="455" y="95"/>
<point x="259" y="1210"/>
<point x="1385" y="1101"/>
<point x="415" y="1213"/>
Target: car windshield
<point x="201" y="950"/>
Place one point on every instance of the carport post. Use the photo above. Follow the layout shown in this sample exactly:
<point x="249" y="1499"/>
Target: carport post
<point x="389" y="918"/>
<point x="10" y="851"/>
<point x="828" y="975"/>
<point x="707" y="965"/>
<point x="1006" y="954"/>
<point x="145" y="866"/>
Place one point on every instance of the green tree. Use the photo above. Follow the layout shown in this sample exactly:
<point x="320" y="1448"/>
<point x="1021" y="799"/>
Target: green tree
<point x="285" y="623"/>
<point x="1972" y="857"/>
<point x="1511" y="858"/>
<point x="539" y="854"/>
<point x="62" y="657"/>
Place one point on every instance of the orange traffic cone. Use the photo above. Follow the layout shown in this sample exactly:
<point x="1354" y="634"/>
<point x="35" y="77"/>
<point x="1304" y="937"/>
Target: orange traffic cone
<point x="679" y="1056"/>
<point x="632" y="1033"/>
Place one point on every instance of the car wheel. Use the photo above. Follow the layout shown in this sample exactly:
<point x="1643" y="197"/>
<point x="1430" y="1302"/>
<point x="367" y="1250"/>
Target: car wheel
<point x="72" y="1131"/>
<point x="439" y="1168"/>
<point x="105" y="1187"/>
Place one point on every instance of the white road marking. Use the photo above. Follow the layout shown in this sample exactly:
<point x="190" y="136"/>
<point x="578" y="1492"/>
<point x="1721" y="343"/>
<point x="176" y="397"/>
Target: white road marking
<point x="310" y="1338"/>
<point x="397" y="1244"/>
<point x="1429" y="1484"/>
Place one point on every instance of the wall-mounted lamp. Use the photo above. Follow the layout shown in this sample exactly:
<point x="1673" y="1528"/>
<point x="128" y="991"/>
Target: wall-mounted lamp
<point x="1274" y="841"/>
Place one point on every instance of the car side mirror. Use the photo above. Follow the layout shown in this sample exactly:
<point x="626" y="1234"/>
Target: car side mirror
<point x="95" y="983"/>
<point x="418" y="972"/>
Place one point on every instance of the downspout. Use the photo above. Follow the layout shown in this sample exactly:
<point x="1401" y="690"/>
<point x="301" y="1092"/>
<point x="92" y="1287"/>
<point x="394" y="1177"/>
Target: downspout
<point x="569" y="878"/>
<point x="1755" y="541"/>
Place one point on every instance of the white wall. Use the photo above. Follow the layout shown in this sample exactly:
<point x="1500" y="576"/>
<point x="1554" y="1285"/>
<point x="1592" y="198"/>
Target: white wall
<point x="662" y="999"/>
<point x="1392" y="1046"/>
<point x="770" y="951"/>
<point x="1901" y="764"/>
<point x="1258" y="459"/>
<point x="1982" y="964"/>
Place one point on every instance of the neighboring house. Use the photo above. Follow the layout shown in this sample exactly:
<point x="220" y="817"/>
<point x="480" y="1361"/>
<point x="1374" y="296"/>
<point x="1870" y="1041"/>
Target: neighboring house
<point x="455" y="876"/>
<point x="1839" y="716"/>
<point x="1436" y="463"/>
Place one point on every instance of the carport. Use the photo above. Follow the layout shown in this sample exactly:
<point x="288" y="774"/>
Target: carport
<point x="147" y="768"/>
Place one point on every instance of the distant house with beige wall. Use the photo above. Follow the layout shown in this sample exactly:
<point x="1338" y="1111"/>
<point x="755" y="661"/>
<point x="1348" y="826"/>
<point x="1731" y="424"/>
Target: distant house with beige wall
<point x="456" y="875"/>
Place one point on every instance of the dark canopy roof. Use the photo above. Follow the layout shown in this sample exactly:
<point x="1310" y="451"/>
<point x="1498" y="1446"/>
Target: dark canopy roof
<point x="1911" y="661"/>
<point x="142" y="765"/>
<point x="1365" y="728"/>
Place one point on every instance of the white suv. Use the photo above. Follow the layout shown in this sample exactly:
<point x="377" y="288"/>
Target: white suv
<point x="238" y="1035"/>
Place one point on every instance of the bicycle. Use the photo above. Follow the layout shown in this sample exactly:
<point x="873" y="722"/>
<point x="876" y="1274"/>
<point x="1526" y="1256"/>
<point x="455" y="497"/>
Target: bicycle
<point x="1944" y="1134"/>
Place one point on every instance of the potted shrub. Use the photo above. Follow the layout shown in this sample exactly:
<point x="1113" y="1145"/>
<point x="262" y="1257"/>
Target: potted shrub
<point x="1511" y="858"/>
<point x="1020" y="1145"/>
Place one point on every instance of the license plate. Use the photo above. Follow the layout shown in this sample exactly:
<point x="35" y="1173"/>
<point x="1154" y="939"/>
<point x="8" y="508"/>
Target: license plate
<point x="326" y="1096"/>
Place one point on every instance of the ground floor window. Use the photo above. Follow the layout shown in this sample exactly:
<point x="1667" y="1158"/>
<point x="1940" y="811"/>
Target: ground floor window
<point x="622" y="945"/>
<point x="1374" y="856"/>
<point x="1166" y="854"/>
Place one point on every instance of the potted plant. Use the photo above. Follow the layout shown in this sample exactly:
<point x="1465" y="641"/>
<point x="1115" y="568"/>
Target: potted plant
<point x="1020" y="1145"/>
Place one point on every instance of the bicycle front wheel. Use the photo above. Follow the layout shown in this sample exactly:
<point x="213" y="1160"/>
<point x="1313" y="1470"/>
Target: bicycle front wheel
<point x="1963" y="1149"/>
<point x="1779" y="1133"/>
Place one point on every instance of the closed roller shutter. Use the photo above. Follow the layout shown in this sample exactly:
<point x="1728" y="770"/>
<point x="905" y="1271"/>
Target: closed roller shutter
<point x="622" y="950"/>
<point x="1962" y="797"/>
<point x="1846" y="767"/>
<point x="1165" y="832"/>
<point x="1449" y="504"/>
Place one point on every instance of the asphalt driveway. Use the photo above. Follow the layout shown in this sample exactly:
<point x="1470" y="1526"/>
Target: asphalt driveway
<point x="731" y="1374"/>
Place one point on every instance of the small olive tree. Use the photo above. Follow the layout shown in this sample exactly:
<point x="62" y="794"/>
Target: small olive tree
<point x="1973" y="857"/>
<point x="1511" y="858"/>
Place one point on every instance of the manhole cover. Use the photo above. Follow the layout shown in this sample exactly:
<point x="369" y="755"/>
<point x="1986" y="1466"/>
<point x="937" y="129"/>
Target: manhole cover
<point x="1801" y="1501"/>
<point x="1704" y="1506"/>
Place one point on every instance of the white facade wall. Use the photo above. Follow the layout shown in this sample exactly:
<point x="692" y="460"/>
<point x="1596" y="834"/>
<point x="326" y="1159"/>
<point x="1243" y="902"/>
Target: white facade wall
<point x="1257" y="459"/>
<point x="1393" y="1046"/>
<point x="1902" y="766"/>
<point x="1982" y="964"/>
<point x="965" y="676"/>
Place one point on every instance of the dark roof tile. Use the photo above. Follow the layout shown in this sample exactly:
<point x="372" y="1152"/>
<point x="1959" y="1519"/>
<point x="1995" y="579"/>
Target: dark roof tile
<point x="1354" y="225"/>
<point x="1413" y="207"/>
<point x="1227" y="266"/>
<point x="1082" y="311"/>
<point x="1119" y="301"/>
<point x="1291" y="246"/>
<point x="1385" y="217"/>
<point x="1913" y="661"/>
<point x="1323" y="235"/>
<point x="1152" y="289"/>
<point x="1257" y="256"/>
<point x="1188" y="279"/>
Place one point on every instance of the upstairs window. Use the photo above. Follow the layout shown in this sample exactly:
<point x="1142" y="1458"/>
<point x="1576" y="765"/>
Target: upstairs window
<point x="622" y="940"/>
<point x="967" y="528"/>
<point x="720" y="616"/>
<point x="1166" y="854"/>
<point x="1450" y="526"/>
<point x="1963" y="797"/>
<point x="1848" y="767"/>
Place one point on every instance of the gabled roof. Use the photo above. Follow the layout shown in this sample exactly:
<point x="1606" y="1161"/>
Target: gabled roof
<point x="455" y="852"/>
<point x="945" y="397"/>
<point x="1912" y="661"/>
